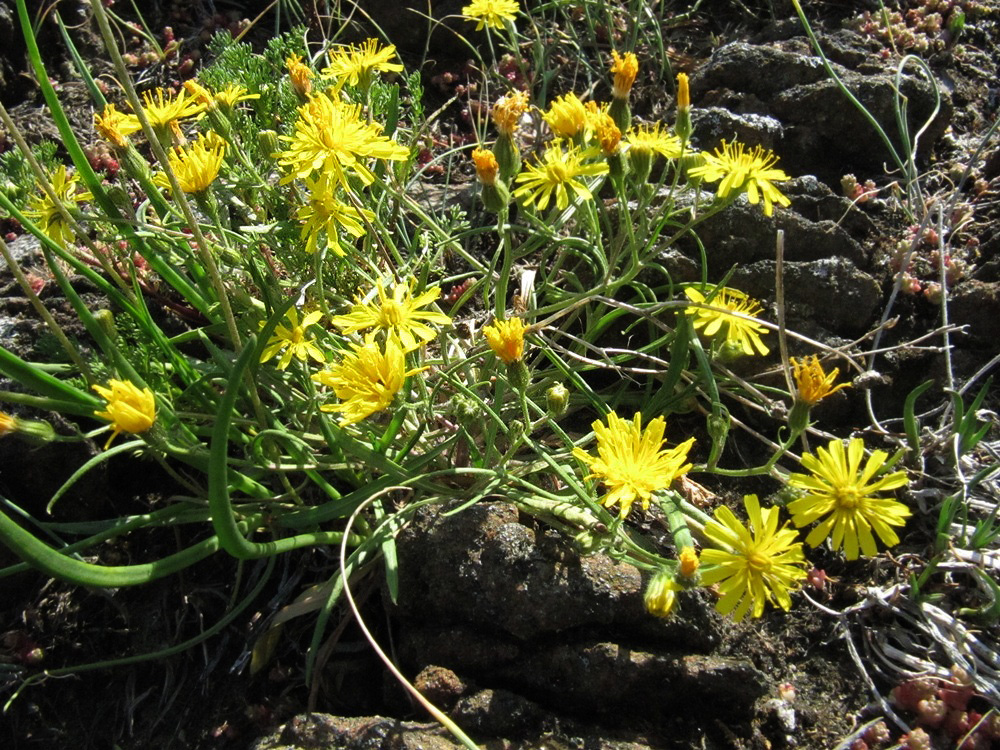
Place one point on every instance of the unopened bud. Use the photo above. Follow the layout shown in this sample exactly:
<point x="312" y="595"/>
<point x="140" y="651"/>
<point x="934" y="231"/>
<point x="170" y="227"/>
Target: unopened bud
<point x="557" y="400"/>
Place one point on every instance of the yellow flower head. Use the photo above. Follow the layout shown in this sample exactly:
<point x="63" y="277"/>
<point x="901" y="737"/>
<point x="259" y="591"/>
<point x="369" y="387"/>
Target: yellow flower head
<point x="230" y="96"/>
<point x="8" y="424"/>
<point x="631" y="462"/>
<point x="163" y="109"/>
<point x="353" y="65"/>
<point x="742" y="171"/>
<point x="325" y="212"/>
<point x="847" y="495"/>
<point x="625" y="69"/>
<point x="812" y="385"/>
<point x="754" y="564"/>
<point x="689" y="562"/>
<point x="567" y="116"/>
<point x="507" y="111"/>
<point x="114" y="126"/>
<point x="367" y="379"/>
<point x="555" y="173"/>
<point x="333" y="136"/>
<point x="683" y="92"/>
<point x="48" y="214"/>
<point x="742" y="333"/>
<point x="301" y="75"/>
<point x="293" y="341"/>
<point x="196" y="166"/>
<point x="607" y="134"/>
<point x="400" y="315"/>
<point x="129" y="408"/>
<point x="661" y="593"/>
<point x="506" y="339"/>
<point x="647" y="140"/>
<point x="487" y="168"/>
<point x="490" y="13"/>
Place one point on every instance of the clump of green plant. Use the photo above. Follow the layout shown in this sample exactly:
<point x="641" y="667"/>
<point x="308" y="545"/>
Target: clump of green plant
<point x="322" y="390"/>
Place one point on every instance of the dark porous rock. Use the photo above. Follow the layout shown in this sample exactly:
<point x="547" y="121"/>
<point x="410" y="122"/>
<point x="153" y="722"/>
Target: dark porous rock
<point x="715" y="124"/>
<point x="326" y="732"/>
<point x="976" y="305"/>
<point x="823" y="132"/>
<point x="499" y="713"/>
<point x="483" y="568"/>
<point x="831" y="292"/>
<point x="440" y="686"/>
<point x="618" y="683"/>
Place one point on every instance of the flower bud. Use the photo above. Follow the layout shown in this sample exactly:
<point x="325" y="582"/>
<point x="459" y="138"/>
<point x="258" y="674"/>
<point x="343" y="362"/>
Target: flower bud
<point x="557" y="400"/>
<point x="660" y="594"/>
<point x="682" y="127"/>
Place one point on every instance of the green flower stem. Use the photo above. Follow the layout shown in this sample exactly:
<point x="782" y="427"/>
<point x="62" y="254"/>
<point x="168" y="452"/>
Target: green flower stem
<point x="670" y="503"/>
<point x="506" y="264"/>
<point x="53" y="563"/>
<point x="204" y="251"/>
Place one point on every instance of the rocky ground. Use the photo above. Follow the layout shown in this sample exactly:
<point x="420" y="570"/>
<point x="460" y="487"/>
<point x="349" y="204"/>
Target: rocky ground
<point x="518" y="638"/>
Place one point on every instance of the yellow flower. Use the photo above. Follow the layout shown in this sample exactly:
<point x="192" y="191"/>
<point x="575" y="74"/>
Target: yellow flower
<point x="683" y="92"/>
<point x="811" y="383"/>
<point x="567" y="116"/>
<point x="300" y="74"/>
<point x="689" y="562"/>
<point x="292" y="340"/>
<point x="129" y="408"/>
<point x="507" y="111"/>
<point x="625" y="69"/>
<point x="755" y="563"/>
<point x="115" y="126"/>
<point x="367" y="379"/>
<point x="741" y="171"/>
<point x="197" y="165"/>
<point x="8" y="424"/>
<point x="400" y="315"/>
<point x="163" y="109"/>
<point x="332" y="136"/>
<point x="741" y="334"/>
<point x="490" y="13"/>
<point x="556" y="171"/>
<point x="47" y="213"/>
<point x="630" y="461"/>
<point x="661" y="593"/>
<point x="607" y="134"/>
<point x="647" y="140"/>
<point x="838" y="486"/>
<point x="506" y="339"/>
<point x="325" y="212"/>
<point x="227" y="97"/>
<point x="353" y="65"/>
<point x="487" y="168"/>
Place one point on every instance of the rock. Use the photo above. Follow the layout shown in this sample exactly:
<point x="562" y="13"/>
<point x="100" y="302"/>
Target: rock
<point x="822" y="132"/>
<point x="326" y="732"/>
<point x="976" y="305"/>
<point x="440" y="686"/>
<point x="499" y="713"/>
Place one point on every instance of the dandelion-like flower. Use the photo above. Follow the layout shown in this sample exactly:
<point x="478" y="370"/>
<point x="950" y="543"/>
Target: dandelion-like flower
<point x="400" y="315"/>
<point x="325" y="212"/>
<point x="196" y="166"/>
<point x="754" y="564"/>
<point x="227" y="98"/>
<point x="490" y="13"/>
<point x="367" y="379"/>
<point x="508" y="110"/>
<point x="648" y="140"/>
<point x="607" y="134"/>
<point x="625" y="69"/>
<point x="631" y="462"/>
<point x="752" y="172"/>
<point x="129" y="408"/>
<point x="332" y="136"/>
<point x="355" y="64"/>
<point x="556" y="174"/>
<point x="567" y="116"/>
<point x="487" y="167"/>
<point x="163" y="109"/>
<point x="506" y="339"/>
<point x="689" y="562"/>
<point x="293" y="341"/>
<point x="812" y="385"/>
<point x="300" y="74"/>
<point x="839" y="489"/>
<point x="43" y="209"/>
<point x="741" y="333"/>
<point x="8" y="424"/>
<point x="114" y="126"/>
